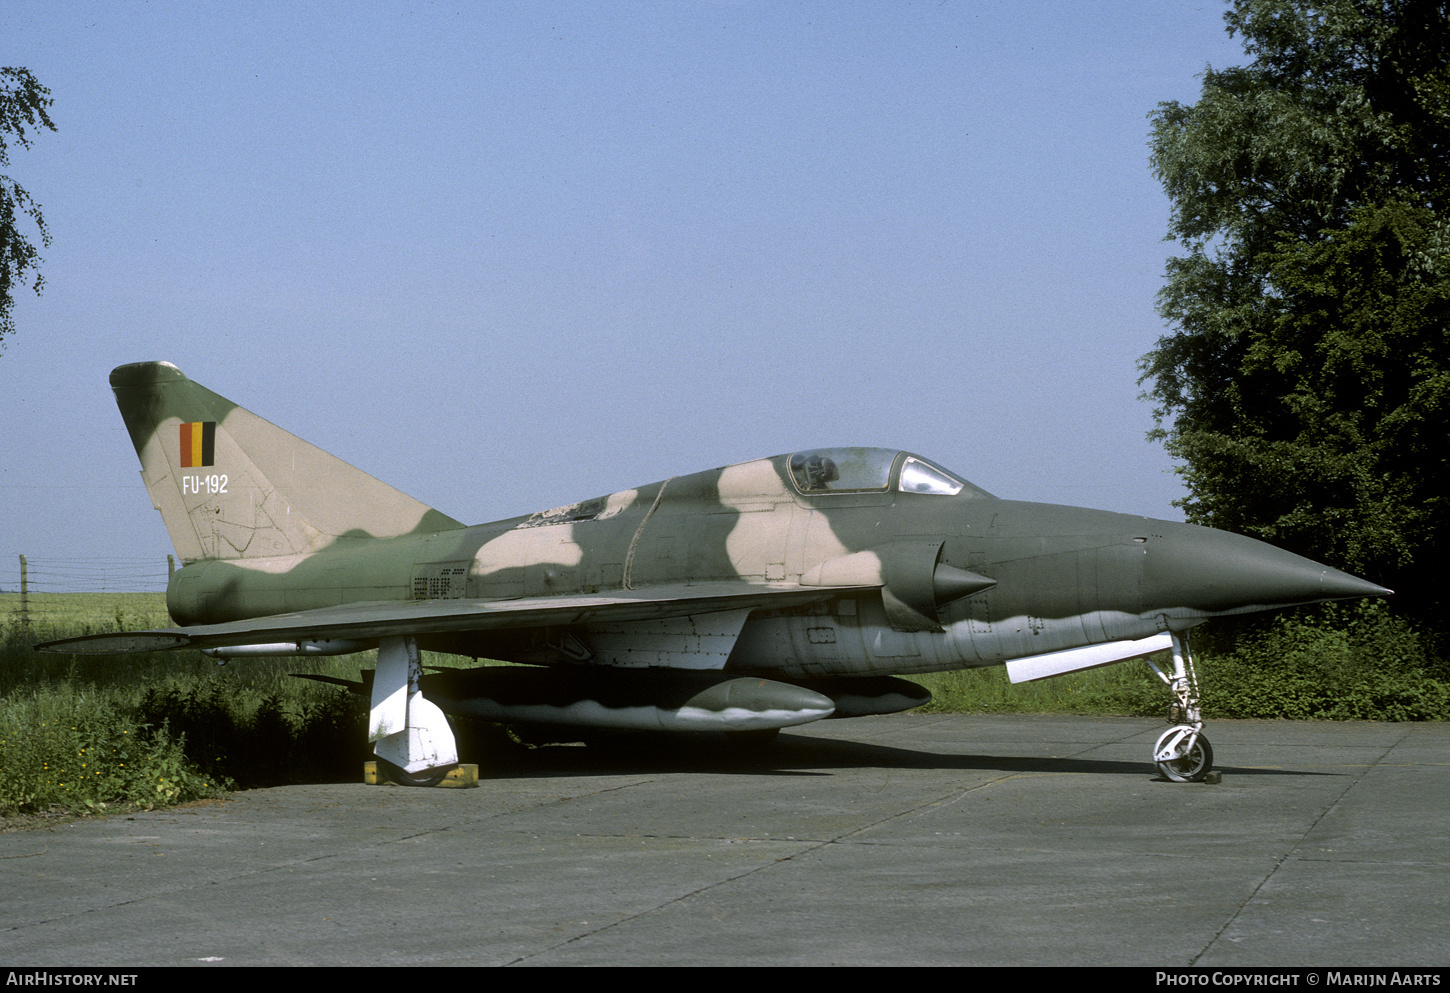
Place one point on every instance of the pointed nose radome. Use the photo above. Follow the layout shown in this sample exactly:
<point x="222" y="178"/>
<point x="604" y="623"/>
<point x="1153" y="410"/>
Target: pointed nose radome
<point x="1218" y="571"/>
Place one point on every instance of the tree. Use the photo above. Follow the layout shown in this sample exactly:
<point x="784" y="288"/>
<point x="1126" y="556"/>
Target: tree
<point x="1305" y="384"/>
<point x="22" y="104"/>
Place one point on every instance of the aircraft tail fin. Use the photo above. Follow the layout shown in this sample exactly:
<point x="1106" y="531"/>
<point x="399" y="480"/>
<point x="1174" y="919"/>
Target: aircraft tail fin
<point x="230" y="485"/>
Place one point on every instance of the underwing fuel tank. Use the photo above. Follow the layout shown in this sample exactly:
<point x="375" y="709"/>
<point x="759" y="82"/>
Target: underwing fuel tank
<point x="309" y="647"/>
<point x="625" y="700"/>
<point x="648" y="700"/>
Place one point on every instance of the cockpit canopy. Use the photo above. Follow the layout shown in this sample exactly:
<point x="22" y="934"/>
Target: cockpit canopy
<point x="874" y="470"/>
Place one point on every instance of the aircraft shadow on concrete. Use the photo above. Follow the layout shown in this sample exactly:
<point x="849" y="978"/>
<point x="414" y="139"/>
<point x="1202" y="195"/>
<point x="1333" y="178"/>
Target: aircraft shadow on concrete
<point x="787" y="755"/>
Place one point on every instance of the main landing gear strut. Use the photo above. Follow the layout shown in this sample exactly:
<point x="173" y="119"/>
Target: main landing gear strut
<point x="1183" y="753"/>
<point x="410" y="735"/>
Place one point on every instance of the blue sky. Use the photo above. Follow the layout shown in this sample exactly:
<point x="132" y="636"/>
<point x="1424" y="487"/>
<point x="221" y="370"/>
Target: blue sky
<point x="508" y="256"/>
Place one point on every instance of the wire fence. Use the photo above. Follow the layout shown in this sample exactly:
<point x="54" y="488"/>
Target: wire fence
<point x="58" y="591"/>
<point x="91" y="575"/>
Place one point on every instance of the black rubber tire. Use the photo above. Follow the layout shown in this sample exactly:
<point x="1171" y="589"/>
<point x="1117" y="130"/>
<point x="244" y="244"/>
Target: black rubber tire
<point x="1193" y="767"/>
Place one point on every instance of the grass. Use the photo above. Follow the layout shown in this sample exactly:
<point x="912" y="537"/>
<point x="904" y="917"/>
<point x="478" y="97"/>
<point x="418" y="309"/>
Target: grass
<point x="70" y="748"/>
<point x="75" y="613"/>
<point x="88" y="733"/>
<point x="1129" y="689"/>
<point x="81" y="733"/>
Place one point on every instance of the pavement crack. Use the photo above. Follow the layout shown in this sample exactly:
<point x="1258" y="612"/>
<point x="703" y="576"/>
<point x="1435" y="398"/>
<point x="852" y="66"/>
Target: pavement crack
<point x="27" y="855"/>
<point x="679" y="898"/>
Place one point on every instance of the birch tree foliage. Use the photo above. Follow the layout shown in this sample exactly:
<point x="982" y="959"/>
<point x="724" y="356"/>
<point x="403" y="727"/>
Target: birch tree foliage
<point x="23" y="103"/>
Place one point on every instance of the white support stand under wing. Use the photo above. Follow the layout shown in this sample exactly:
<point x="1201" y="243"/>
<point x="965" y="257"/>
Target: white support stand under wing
<point x="407" y="729"/>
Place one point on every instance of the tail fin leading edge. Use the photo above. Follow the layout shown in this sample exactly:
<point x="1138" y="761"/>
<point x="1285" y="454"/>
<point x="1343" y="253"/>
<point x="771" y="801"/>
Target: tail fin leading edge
<point x="230" y="485"/>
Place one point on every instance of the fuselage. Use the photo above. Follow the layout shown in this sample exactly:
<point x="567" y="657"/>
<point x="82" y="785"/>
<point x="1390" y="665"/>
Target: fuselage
<point x="957" y="578"/>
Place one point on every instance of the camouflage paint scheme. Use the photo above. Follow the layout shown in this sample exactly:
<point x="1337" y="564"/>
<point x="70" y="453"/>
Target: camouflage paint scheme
<point x="847" y="562"/>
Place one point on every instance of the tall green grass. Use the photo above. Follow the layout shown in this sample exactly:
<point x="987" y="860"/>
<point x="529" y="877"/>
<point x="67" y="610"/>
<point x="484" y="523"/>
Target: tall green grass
<point x="192" y="727"/>
<point x="71" y="749"/>
<point x="86" y="732"/>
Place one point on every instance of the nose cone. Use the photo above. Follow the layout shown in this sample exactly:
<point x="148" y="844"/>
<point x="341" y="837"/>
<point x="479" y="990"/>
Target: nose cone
<point x="1220" y="572"/>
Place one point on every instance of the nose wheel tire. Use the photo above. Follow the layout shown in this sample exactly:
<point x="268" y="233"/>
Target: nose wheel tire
<point x="1189" y="767"/>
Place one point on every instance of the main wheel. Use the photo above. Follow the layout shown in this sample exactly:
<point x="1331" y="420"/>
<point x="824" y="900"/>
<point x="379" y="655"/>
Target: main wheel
<point x="1193" y="766"/>
<point x="428" y="777"/>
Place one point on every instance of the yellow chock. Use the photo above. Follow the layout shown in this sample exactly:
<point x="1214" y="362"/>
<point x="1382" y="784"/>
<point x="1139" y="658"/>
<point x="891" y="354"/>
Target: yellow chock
<point x="463" y="776"/>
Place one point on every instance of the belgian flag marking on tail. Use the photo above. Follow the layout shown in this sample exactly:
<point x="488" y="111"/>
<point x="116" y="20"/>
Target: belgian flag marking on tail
<point x="198" y="444"/>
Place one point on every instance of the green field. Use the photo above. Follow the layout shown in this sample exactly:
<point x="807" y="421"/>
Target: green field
<point x="76" y="611"/>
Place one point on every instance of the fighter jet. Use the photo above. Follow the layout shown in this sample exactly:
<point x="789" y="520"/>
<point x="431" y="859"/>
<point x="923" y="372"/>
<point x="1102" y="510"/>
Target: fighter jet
<point x="742" y="599"/>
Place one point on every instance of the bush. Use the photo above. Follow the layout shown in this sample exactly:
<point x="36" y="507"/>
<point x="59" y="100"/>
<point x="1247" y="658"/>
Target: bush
<point x="67" y="750"/>
<point x="264" y="740"/>
<point x="82" y="733"/>
<point x="1334" y="662"/>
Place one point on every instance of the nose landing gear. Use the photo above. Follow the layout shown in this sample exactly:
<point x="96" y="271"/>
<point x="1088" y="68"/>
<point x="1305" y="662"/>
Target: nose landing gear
<point x="1182" y="753"/>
